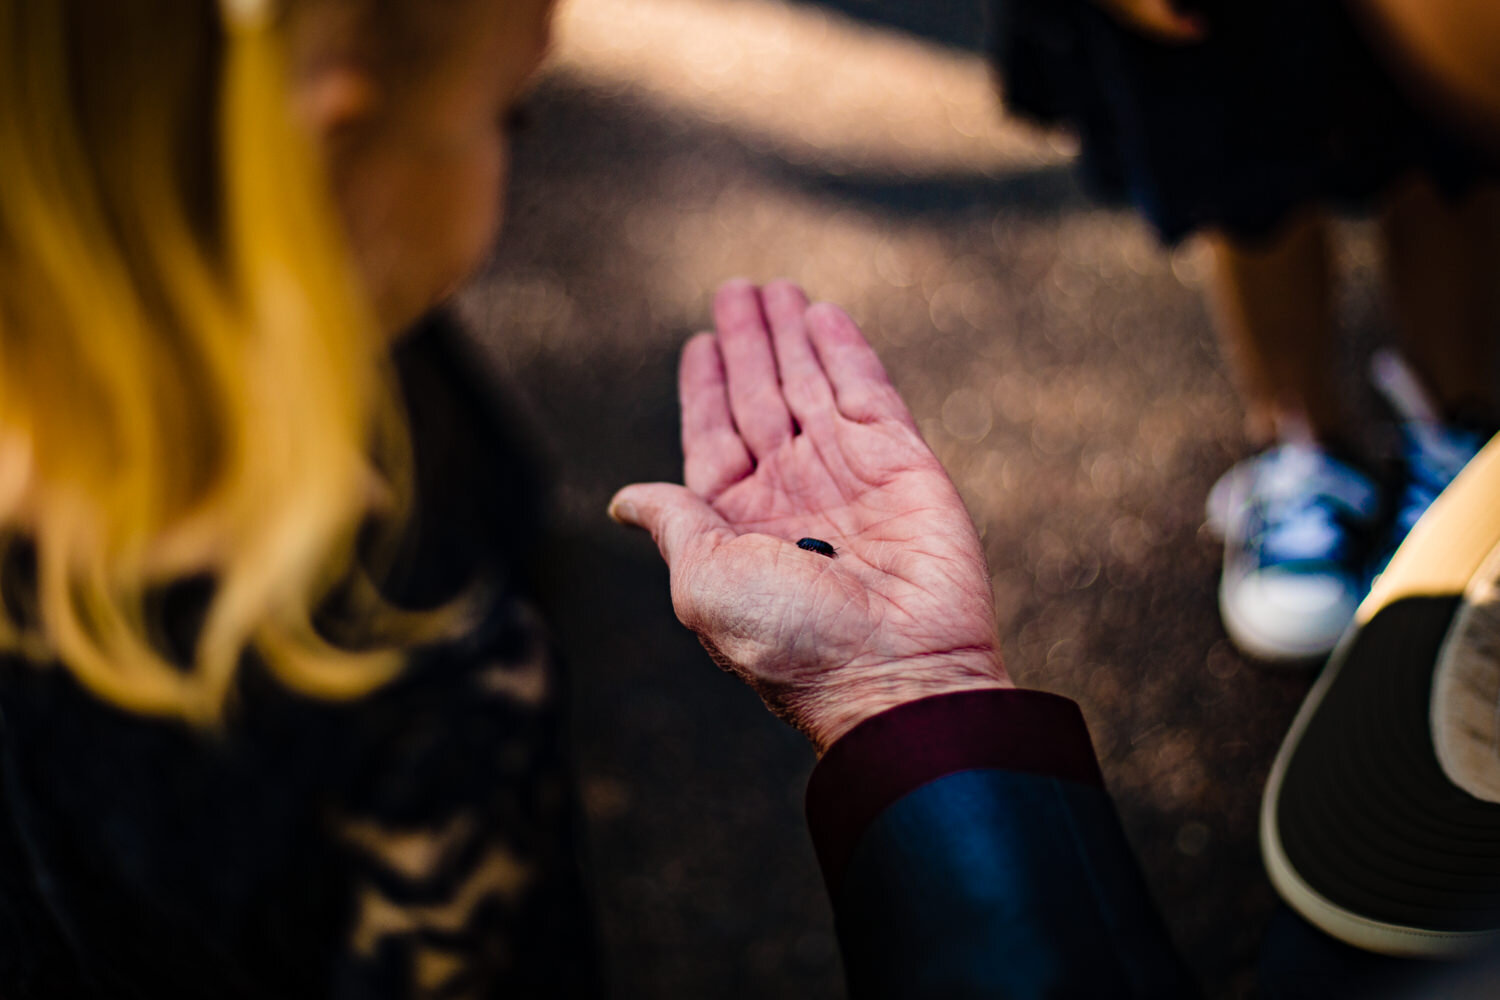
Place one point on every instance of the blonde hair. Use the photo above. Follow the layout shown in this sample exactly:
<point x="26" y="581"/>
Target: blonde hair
<point x="191" y="379"/>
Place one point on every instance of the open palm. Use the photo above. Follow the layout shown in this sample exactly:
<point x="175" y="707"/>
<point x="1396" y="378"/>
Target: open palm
<point x="791" y="429"/>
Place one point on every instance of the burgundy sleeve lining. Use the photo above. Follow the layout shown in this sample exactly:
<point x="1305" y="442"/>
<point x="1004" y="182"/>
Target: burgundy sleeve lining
<point x="886" y="757"/>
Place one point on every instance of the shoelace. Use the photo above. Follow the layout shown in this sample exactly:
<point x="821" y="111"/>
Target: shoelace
<point x="1307" y="509"/>
<point x="1435" y="454"/>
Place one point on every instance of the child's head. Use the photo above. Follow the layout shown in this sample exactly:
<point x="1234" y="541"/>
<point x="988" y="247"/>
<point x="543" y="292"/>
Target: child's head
<point x="410" y="100"/>
<point x="191" y="373"/>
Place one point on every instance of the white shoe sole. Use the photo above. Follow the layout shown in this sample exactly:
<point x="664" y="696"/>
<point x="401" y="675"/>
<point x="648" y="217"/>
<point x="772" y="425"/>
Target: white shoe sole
<point x="1226" y="496"/>
<point x="1273" y="651"/>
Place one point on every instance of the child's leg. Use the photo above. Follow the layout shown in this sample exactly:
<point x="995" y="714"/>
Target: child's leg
<point x="1442" y="265"/>
<point x="1273" y="309"/>
<point x="1295" y="518"/>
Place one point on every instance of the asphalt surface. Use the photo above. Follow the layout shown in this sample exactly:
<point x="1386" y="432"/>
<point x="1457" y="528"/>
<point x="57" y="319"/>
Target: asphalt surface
<point x="1059" y="361"/>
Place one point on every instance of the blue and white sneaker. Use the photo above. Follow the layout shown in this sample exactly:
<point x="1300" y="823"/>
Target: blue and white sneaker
<point x="1433" y="453"/>
<point x="1297" y="525"/>
<point x="1432" y="457"/>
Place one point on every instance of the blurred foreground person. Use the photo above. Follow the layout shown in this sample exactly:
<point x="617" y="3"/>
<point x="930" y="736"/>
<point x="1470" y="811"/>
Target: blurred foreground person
<point x="1251" y="124"/>
<point x="275" y="718"/>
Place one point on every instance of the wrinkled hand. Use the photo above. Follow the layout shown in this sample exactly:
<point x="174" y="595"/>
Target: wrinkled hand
<point x="1158" y="20"/>
<point x="791" y="429"/>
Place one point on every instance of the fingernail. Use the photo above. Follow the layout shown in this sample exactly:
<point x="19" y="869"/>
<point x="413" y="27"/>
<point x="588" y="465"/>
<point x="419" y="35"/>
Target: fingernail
<point x="622" y="511"/>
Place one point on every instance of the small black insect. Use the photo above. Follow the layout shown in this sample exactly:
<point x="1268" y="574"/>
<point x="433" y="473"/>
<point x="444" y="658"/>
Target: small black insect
<point x="817" y="545"/>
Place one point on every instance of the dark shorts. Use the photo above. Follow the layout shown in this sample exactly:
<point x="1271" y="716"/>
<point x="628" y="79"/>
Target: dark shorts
<point x="1286" y="104"/>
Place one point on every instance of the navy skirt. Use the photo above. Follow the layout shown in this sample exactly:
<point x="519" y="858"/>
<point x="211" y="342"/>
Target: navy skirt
<point x="1285" y="104"/>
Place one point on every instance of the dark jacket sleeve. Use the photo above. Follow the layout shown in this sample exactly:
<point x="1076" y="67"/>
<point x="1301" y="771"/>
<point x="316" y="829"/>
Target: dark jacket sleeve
<point x="971" y="850"/>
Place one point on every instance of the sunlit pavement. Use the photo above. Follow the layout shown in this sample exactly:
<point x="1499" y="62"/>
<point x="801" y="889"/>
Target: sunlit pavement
<point x="1060" y="364"/>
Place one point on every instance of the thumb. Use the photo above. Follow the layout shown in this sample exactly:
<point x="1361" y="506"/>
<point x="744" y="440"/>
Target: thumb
<point x="1162" y="18"/>
<point x="677" y="518"/>
<point x="1159" y="20"/>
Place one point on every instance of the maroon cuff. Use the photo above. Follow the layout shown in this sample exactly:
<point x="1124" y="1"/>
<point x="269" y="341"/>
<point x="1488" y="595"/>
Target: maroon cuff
<point x="894" y="753"/>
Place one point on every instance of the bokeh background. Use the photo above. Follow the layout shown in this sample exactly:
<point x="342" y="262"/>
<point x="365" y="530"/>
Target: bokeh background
<point x="1060" y="362"/>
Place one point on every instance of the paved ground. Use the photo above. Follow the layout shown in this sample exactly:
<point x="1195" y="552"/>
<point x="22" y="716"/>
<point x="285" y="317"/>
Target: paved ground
<point x="1060" y="364"/>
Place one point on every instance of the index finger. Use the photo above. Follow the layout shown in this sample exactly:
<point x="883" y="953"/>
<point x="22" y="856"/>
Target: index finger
<point x="714" y="455"/>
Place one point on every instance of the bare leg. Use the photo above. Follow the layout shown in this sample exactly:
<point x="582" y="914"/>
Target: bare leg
<point x="1443" y="270"/>
<point x="1273" y="306"/>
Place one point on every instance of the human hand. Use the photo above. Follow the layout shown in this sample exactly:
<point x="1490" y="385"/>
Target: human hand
<point x="1159" y="20"/>
<point x="791" y="429"/>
